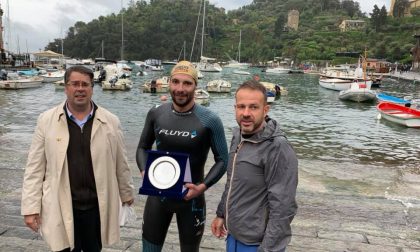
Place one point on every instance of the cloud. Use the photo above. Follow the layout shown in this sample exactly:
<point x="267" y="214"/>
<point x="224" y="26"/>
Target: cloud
<point x="39" y="22"/>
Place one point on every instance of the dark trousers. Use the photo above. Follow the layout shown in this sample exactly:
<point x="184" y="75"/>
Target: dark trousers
<point x="87" y="231"/>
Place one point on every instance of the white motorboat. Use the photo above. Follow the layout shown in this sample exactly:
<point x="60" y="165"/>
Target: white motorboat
<point x="278" y="70"/>
<point x="335" y="84"/>
<point x="218" y="86"/>
<point x="201" y="96"/>
<point x="115" y="80"/>
<point x="162" y="85"/>
<point x="273" y="91"/>
<point x="53" y="76"/>
<point x="21" y="83"/>
<point x="358" y="92"/>
<point x="59" y="85"/>
<point x="236" y="64"/>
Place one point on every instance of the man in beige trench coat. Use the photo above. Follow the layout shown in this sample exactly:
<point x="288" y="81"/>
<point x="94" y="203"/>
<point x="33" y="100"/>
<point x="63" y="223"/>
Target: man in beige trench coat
<point x="77" y="171"/>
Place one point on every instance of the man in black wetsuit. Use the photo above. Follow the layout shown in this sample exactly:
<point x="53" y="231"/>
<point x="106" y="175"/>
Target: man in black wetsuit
<point x="184" y="127"/>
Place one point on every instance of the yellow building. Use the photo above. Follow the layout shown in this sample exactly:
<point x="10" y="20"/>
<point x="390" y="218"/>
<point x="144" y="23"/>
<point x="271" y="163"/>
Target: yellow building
<point x="413" y="4"/>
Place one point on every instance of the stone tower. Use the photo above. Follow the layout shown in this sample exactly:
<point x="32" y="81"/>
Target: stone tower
<point x="293" y="20"/>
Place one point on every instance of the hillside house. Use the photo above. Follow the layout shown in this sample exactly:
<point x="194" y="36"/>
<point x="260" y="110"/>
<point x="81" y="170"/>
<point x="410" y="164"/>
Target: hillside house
<point x="347" y="25"/>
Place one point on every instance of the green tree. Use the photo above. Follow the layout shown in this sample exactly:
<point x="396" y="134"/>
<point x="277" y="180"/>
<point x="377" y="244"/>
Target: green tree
<point x="279" y="26"/>
<point x="378" y="17"/>
<point x="351" y="8"/>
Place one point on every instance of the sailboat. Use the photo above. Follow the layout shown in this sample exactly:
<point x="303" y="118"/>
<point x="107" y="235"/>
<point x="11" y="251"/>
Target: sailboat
<point x="206" y="64"/>
<point x="117" y="75"/>
<point x="237" y="63"/>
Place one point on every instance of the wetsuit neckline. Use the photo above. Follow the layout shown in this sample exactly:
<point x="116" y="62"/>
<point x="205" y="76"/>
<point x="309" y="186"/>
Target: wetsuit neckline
<point x="182" y="113"/>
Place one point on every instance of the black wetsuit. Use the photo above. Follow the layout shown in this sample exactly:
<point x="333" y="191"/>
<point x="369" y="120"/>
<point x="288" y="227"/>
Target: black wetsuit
<point x="193" y="133"/>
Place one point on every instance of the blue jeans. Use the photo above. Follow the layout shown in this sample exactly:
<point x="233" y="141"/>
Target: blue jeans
<point x="233" y="245"/>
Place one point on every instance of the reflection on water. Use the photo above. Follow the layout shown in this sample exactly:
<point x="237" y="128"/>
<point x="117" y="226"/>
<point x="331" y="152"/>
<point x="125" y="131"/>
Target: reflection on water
<point x="322" y="129"/>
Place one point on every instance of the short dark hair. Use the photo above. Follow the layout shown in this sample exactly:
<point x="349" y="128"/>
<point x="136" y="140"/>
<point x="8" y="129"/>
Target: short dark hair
<point x="79" y="69"/>
<point x="253" y="85"/>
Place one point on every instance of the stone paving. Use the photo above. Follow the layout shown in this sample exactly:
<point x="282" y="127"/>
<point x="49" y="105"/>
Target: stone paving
<point x="325" y="222"/>
<point x="409" y="76"/>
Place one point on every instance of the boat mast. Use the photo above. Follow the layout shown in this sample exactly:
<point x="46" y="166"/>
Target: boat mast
<point x="239" y="46"/>
<point x="196" y="28"/>
<point x="9" y="35"/>
<point x="62" y="46"/>
<point x="202" y="29"/>
<point x="102" y="49"/>
<point x="122" y="31"/>
<point x="185" y="46"/>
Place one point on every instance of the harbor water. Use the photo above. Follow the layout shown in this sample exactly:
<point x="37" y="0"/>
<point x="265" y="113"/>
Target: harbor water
<point x="342" y="147"/>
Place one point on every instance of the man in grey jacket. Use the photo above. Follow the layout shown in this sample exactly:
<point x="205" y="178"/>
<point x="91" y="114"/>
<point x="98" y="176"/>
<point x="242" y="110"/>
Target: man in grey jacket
<point x="258" y="204"/>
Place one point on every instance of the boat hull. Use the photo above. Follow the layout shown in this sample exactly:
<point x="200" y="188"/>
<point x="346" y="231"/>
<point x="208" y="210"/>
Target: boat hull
<point x="218" y="86"/>
<point x="359" y="95"/>
<point x="120" y="85"/>
<point x="201" y="97"/>
<point x="399" y="114"/>
<point x="20" y="84"/>
<point x="277" y="70"/>
<point x="389" y="98"/>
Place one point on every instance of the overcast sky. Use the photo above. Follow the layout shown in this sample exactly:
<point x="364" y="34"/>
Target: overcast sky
<point x="34" y="23"/>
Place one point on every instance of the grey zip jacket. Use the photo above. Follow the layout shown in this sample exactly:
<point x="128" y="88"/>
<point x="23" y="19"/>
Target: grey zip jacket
<point x="259" y="203"/>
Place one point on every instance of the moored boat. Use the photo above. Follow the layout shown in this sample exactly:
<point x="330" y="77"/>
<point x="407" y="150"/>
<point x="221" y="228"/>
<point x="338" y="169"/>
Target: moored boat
<point x="21" y="83"/>
<point x="339" y="84"/>
<point x="382" y="97"/>
<point x="278" y="70"/>
<point x="273" y="91"/>
<point x="358" y="92"/>
<point x="115" y="80"/>
<point x="162" y="85"/>
<point x="53" y="76"/>
<point x="400" y="114"/>
<point x="218" y="86"/>
<point x="201" y="96"/>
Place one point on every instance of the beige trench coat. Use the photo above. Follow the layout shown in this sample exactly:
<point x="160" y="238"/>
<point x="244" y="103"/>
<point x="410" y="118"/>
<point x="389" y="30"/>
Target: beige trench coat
<point x="46" y="185"/>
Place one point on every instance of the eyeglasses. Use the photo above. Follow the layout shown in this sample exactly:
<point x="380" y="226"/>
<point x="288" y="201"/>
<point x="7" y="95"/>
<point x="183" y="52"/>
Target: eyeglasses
<point x="81" y="84"/>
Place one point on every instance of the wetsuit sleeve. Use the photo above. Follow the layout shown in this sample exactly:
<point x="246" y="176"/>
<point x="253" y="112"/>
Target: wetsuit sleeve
<point x="147" y="139"/>
<point x="281" y="178"/>
<point x="220" y="152"/>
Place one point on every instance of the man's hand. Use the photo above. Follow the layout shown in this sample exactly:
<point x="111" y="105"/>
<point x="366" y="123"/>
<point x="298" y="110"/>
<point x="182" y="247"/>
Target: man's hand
<point x="129" y="202"/>
<point x="218" y="227"/>
<point x="33" y="221"/>
<point x="194" y="190"/>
